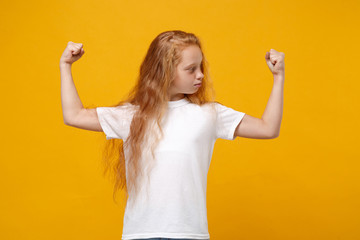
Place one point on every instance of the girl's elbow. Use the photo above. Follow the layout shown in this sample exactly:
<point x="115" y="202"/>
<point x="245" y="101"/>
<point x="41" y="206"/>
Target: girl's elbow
<point x="272" y="134"/>
<point x="275" y="135"/>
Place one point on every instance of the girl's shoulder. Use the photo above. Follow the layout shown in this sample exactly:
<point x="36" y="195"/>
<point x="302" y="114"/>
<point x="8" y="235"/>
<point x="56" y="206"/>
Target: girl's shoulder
<point x="205" y="109"/>
<point x="127" y="106"/>
<point x="209" y="105"/>
<point x="125" y="109"/>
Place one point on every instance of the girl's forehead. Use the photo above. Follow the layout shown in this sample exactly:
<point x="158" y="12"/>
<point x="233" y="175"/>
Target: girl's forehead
<point x="191" y="54"/>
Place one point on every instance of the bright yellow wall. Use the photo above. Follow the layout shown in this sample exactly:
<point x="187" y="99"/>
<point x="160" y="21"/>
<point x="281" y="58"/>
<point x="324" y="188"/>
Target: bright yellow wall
<point x="302" y="185"/>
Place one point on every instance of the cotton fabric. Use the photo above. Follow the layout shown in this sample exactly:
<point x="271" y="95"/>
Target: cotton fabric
<point x="173" y="203"/>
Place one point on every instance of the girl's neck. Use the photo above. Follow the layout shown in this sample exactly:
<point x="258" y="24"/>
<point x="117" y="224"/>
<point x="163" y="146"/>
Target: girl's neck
<point x="177" y="97"/>
<point x="178" y="103"/>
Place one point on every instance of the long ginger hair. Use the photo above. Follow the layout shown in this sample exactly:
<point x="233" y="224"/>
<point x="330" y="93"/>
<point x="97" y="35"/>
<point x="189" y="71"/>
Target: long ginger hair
<point x="150" y="96"/>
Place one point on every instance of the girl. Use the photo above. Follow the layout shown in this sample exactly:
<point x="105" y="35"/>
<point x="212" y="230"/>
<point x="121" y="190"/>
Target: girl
<point x="163" y="135"/>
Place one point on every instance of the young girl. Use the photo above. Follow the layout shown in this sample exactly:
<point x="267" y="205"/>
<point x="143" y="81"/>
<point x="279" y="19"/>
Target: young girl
<point x="165" y="133"/>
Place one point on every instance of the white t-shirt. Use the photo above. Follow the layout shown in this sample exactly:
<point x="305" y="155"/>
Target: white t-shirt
<point x="176" y="207"/>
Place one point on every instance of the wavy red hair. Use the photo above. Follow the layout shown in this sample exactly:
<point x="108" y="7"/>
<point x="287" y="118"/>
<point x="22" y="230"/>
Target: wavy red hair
<point x="150" y="96"/>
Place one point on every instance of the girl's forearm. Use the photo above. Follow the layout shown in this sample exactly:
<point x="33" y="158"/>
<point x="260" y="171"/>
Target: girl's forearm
<point x="70" y="100"/>
<point x="274" y="109"/>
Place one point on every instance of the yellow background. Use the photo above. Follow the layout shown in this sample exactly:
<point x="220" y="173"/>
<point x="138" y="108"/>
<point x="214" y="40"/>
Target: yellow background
<point x="302" y="185"/>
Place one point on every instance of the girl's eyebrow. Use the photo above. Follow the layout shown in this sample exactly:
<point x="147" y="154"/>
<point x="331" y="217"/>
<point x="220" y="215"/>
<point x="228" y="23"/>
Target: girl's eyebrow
<point x="190" y="65"/>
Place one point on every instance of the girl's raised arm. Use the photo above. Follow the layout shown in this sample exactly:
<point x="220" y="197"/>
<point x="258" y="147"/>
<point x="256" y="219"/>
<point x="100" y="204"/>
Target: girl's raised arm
<point x="74" y="113"/>
<point x="269" y="125"/>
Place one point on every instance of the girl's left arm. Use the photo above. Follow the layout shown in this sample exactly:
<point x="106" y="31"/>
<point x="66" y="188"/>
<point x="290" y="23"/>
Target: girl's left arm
<point x="269" y="125"/>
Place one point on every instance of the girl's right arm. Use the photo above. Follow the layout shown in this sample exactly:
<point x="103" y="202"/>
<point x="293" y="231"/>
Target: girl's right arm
<point x="74" y="113"/>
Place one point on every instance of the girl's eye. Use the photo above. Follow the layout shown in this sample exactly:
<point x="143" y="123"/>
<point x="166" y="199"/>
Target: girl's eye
<point x="192" y="69"/>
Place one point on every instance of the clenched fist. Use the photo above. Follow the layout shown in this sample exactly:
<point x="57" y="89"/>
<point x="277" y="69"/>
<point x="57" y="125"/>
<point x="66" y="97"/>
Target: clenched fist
<point x="72" y="53"/>
<point x="275" y="61"/>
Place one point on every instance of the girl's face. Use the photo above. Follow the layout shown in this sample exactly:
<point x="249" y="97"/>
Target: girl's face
<point x="188" y="73"/>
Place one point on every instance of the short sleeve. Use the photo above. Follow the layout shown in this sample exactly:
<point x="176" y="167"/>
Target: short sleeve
<point x="227" y="119"/>
<point x="115" y="121"/>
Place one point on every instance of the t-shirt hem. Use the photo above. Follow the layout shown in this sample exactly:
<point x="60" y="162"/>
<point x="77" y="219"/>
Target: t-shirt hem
<point x="234" y="125"/>
<point x="166" y="235"/>
<point x="100" y="113"/>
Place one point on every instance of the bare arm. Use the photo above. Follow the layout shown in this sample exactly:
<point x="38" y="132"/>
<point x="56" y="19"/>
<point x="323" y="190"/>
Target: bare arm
<point x="252" y="127"/>
<point x="269" y="125"/>
<point x="74" y="113"/>
<point x="274" y="109"/>
<point x="70" y="100"/>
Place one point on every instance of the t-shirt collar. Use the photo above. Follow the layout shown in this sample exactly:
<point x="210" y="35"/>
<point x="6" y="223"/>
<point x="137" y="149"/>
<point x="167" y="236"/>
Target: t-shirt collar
<point x="178" y="103"/>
